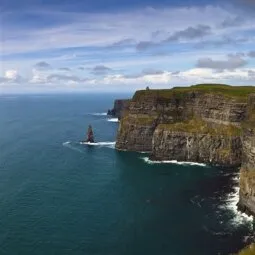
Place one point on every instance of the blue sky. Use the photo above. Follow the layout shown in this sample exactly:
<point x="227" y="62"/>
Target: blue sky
<point x="114" y="45"/>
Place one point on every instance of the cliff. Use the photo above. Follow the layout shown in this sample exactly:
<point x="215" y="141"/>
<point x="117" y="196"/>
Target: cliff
<point x="218" y="105"/>
<point x="196" y="141"/>
<point x="120" y="105"/>
<point x="212" y="124"/>
<point x="247" y="176"/>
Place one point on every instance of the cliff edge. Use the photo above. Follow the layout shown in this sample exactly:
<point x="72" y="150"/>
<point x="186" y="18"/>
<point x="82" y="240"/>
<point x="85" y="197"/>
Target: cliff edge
<point x="207" y="123"/>
<point x="120" y="106"/>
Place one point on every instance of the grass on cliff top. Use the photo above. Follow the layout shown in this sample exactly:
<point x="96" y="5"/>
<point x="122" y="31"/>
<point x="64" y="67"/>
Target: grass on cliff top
<point x="237" y="92"/>
<point x="201" y="127"/>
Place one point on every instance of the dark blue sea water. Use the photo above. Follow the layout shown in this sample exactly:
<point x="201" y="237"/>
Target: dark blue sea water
<point x="60" y="197"/>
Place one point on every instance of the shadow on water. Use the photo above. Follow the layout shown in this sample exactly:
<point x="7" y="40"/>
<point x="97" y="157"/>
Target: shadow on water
<point x="180" y="203"/>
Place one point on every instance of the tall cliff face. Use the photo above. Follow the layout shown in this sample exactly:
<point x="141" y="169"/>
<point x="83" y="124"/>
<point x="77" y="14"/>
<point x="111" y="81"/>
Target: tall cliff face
<point x="172" y="106"/>
<point x="135" y="132"/>
<point x="218" y="108"/>
<point x="139" y="122"/>
<point x="210" y="124"/>
<point x="247" y="175"/>
<point x="213" y="147"/>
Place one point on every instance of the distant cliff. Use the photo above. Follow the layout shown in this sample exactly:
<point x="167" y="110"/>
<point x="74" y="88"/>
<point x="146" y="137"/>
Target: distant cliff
<point x="120" y="105"/>
<point x="211" y="124"/>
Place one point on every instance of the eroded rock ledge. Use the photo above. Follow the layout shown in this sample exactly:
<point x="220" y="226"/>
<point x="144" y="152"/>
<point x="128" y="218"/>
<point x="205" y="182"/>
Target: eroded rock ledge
<point x="212" y="124"/>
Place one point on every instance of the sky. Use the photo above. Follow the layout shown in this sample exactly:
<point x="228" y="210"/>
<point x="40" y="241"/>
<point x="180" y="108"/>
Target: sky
<point x="121" y="46"/>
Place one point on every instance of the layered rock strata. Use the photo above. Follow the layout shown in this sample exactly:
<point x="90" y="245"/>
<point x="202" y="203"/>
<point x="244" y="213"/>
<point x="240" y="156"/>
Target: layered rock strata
<point x="247" y="175"/>
<point x="222" y="148"/>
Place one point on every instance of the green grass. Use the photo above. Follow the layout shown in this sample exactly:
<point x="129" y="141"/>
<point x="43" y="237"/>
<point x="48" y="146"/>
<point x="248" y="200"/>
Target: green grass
<point x="202" y="127"/>
<point x="237" y="92"/>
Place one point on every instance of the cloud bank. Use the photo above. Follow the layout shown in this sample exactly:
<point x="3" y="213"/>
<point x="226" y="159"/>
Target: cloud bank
<point x="127" y="49"/>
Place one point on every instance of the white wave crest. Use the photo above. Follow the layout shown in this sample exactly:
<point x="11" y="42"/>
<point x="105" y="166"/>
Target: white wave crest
<point x="101" y="144"/>
<point x="184" y="163"/>
<point x="113" y="120"/>
<point x="99" y="114"/>
<point x="230" y="203"/>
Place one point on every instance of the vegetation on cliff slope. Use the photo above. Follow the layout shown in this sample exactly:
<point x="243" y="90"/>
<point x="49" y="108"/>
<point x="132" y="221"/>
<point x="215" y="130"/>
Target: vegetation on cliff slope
<point x="138" y="119"/>
<point x="202" y="127"/>
<point x="239" y="93"/>
<point x="250" y="121"/>
<point x="250" y="250"/>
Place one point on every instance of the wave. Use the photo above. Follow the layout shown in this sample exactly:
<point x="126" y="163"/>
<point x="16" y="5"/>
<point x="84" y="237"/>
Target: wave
<point x="75" y="145"/>
<point x="184" y="163"/>
<point x="100" y="144"/>
<point x="72" y="146"/>
<point x="113" y="120"/>
<point x="230" y="203"/>
<point x="99" y="114"/>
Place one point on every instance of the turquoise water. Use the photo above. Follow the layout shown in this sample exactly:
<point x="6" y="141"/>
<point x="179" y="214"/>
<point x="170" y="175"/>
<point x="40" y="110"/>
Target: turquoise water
<point x="60" y="197"/>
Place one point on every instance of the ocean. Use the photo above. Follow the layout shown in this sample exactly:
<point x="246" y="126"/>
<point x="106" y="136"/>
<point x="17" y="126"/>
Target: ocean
<point x="60" y="197"/>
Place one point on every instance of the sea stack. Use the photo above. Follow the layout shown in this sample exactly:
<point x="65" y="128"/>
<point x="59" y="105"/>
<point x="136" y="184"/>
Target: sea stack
<point x="90" y="135"/>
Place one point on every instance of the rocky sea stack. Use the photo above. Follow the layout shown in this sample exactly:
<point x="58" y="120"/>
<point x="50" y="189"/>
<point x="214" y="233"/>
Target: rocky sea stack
<point x="207" y="123"/>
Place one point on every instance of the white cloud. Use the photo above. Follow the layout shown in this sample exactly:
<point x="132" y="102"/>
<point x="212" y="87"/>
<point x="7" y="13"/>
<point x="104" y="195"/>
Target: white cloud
<point x="112" y="82"/>
<point x="188" y="77"/>
<point x="38" y="76"/>
<point x="11" y="74"/>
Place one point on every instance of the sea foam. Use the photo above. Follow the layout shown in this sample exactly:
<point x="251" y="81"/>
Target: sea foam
<point x="184" y="163"/>
<point x="99" y="114"/>
<point x="100" y="144"/>
<point x="230" y="203"/>
<point x="113" y="120"/>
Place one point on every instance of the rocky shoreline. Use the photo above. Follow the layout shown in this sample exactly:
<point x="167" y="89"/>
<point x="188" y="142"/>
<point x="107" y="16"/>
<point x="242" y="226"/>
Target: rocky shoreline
<point x="211" y="124"/>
